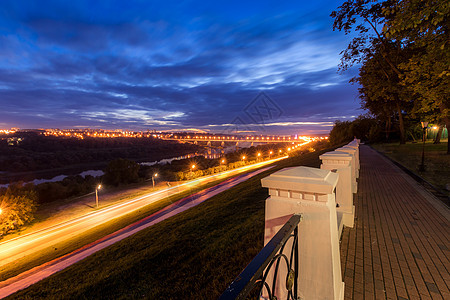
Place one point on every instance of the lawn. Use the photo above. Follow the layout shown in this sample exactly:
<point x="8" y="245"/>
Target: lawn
<point x="62" y="248"/>
<point x="437" y="162"/>
<point x="193" y="255"/>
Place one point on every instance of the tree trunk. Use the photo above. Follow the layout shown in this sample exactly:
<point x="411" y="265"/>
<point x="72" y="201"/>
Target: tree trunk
<point x="446" y="119"/>
<point x="401" y="124"/>
<point x="437" y="139"/>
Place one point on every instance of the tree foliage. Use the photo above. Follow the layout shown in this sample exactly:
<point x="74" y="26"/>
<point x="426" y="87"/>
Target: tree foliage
<point x="121" y="171"/>
<point x="17" y="208"/>
<point x="365" y="128"/>
<point x="402" y="47"/>
<point x="422" y="26"/>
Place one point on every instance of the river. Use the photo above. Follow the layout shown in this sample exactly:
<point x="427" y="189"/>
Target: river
<point x="211" y="153"/>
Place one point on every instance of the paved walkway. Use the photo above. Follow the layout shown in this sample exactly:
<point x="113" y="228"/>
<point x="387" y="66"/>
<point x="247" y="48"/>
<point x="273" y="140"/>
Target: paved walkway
<point x="400" y="245"/>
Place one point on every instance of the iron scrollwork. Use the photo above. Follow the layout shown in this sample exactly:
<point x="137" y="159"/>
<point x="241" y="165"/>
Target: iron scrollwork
<point x="272" y="255"/>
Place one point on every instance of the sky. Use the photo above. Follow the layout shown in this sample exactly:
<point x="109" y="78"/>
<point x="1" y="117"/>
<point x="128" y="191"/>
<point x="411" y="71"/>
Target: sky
<point x="260" y="67"/>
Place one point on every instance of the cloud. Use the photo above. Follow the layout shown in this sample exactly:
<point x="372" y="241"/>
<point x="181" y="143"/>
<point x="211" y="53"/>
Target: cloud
<point x="168" y="65"/>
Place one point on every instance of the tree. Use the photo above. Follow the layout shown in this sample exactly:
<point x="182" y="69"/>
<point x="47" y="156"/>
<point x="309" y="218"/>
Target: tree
<point x="17" y="208"/>
<point x="423" y="26"/>
<point x="121" y="171"/>
<point x="365" y="17"/>
<point x="341" y="132"/>
<point x="362" y="17"/>
<point x="381" y="92"/>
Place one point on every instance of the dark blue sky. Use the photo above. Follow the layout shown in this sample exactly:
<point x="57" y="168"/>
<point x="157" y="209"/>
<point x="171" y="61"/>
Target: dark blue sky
<point x="172" y="65"/>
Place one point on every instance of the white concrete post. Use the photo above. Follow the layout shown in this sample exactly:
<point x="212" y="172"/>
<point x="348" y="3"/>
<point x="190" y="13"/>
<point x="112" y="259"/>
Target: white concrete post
<point x="356" y="152"/>
<point x="341" y="162"/>
<point x="310" y="192"/>
<point x="352" y="152"/>
<point x="355" y="146"/>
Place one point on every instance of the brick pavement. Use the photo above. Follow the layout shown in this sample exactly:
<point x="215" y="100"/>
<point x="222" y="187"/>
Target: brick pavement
<point x="400" y="245"/>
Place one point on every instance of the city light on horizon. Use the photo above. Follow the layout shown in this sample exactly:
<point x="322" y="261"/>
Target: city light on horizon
<point x="185" y="90"/>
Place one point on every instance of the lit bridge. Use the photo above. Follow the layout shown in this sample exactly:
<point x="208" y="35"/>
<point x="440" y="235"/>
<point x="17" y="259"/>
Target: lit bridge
<point x="234" y="139"/>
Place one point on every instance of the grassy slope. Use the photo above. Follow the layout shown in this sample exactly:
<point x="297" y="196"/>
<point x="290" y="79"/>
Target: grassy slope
<point x="410" y="155"/>
<point x="193" y="255"/>
<point x="50" y="253"/>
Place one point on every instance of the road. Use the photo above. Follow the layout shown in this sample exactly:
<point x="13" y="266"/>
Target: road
<point x="25" y="245"/>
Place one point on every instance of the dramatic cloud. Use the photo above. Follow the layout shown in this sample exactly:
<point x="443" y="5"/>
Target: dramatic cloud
<point x="170" y="65"/>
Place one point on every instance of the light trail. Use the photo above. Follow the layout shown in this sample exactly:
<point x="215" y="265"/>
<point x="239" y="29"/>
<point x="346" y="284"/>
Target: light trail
<point x="22" y="246"/>
<point x="36" y="274"/>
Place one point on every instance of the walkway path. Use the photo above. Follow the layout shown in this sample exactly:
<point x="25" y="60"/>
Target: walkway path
<point x="400" y="245"/>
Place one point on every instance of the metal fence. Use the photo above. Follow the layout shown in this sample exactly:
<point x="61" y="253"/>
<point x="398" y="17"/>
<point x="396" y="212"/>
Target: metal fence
<point x="254" y="276"/>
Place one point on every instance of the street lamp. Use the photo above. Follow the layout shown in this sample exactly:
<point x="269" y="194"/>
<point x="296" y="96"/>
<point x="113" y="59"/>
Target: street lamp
<point x="422" y="165"/>
<point x="153" y="179"/>
<point x="96" y="194"/>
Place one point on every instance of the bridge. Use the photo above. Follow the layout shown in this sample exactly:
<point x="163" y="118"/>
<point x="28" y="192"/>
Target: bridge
<point x="235" y="139"/>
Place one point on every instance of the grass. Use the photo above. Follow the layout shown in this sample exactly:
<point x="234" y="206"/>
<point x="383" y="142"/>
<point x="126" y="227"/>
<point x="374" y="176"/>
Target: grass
<point x="193" y="255"/>
<point x="410" y="155"/>
<point x="30" y="261"/>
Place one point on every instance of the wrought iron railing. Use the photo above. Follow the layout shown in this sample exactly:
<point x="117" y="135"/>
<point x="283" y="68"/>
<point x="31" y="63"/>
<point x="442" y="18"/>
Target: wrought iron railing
<point x="255" y="274"/>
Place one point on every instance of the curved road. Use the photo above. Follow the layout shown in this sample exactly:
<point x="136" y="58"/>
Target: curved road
<point x="25" y="245"/>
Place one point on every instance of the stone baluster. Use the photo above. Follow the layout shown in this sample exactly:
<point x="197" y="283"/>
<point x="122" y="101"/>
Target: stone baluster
<point x="352" y="152"/>
<point x="341" y="162"/>
<point x="310" y="192"/>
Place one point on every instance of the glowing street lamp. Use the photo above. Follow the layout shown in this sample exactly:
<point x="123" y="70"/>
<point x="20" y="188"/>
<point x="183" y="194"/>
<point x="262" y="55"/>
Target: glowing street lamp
<point x="96" y="194"/>
<point x="222" y="161"/>
<point x="243" y="158"/>
<point x="270" y="153"/>
<point x="422" y="165"/>
<point x="153" y="179"/>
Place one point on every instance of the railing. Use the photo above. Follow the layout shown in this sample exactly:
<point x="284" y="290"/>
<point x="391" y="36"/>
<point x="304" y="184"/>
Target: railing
<point x="255" y="274"/>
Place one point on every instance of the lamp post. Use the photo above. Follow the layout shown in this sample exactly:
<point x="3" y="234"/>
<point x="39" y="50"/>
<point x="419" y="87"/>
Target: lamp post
<point x="153" y="179"/>
<point x="270" y="153"/>
<point x="192" y="170"/>
<point x="96" y="194"/>
<point x="422" y="165"/>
